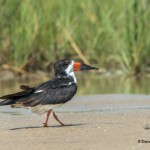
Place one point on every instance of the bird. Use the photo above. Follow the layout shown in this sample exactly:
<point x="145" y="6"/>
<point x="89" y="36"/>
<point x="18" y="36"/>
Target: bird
<point x="51" y="94"/>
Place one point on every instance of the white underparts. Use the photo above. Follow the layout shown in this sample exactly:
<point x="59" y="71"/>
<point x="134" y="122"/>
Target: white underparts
<point x="41" y="109"/>
<point x="38" y="109"/>
<point x="70" y="71"/>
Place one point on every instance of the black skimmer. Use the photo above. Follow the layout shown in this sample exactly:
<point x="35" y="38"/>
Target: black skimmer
<point x="51" y="94"/>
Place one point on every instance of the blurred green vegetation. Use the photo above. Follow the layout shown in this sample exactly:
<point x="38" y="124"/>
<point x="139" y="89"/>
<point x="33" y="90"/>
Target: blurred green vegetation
<point x="110" y="33"/>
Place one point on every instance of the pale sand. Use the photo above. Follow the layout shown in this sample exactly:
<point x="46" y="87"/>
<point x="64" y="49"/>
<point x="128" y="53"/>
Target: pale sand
<point x="106" y="130"/>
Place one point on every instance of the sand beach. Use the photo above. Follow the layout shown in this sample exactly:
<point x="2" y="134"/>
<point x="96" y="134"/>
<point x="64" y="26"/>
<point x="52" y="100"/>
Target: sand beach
<point x="108" y="122"/>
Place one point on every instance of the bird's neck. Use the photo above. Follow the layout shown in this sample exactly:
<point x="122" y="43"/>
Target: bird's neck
<point x="66" y="75"/>
<point x="72" y="74"/>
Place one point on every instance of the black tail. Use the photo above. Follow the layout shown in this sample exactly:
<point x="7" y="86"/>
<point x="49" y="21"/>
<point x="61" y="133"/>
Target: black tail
<point x="12" y="98"/>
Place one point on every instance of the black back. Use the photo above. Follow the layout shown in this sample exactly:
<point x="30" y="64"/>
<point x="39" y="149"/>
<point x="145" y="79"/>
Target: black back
<point x="57" y="91"/>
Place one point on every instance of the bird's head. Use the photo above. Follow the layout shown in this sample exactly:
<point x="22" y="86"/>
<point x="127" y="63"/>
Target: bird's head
<point x="67" y="67"/>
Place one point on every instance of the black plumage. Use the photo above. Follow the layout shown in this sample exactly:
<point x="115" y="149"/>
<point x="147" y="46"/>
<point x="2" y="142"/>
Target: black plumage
<point x="57" y="91"/>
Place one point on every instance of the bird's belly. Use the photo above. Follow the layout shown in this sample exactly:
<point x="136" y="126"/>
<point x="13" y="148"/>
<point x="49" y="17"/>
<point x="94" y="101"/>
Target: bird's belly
<point x="41" y="109"/>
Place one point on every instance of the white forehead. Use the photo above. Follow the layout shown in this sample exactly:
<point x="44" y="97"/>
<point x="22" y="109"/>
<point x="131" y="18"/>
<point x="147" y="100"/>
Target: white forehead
<point x="70" y="68"/>
<point x="72" y="62"/>
<point x="70" y="71"/>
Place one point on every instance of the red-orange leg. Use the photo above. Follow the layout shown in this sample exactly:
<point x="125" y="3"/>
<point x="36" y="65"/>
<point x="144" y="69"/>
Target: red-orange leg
<point x="55" y="116"/>
<point x="46" y="122"/>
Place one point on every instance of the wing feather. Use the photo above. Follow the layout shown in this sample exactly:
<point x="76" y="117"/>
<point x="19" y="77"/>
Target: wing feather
<point x="52" y="96"/>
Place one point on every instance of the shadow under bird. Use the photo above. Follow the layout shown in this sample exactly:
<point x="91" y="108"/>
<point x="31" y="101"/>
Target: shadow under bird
<point x="51" y="94"/>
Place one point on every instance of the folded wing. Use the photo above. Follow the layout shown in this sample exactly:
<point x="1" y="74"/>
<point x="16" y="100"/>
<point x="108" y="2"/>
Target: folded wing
<point x="51" y="92"/>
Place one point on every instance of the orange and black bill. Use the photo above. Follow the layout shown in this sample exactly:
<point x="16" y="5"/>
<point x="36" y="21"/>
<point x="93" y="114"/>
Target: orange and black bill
<point x="79" y="67"/>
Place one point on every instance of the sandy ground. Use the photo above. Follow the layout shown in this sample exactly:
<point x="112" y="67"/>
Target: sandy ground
<point x="85" y="130"/>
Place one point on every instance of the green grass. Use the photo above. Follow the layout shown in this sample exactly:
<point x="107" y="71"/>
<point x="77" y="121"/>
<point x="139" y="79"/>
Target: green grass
<point x="111" y="33"/>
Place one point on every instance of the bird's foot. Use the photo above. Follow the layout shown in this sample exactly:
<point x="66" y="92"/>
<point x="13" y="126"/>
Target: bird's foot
<point x="62" y="124"/>
<point x="45" y="124"/>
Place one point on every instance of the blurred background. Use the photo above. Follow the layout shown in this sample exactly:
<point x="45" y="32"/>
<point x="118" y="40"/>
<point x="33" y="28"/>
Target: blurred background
<point x="111" y="34"/>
